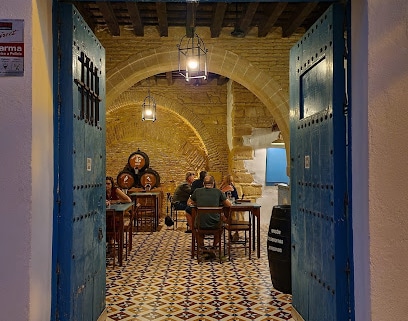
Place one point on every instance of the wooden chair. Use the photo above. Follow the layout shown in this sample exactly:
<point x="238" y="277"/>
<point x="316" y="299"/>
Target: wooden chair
<point x="117" y="224"/>
<point x="146" y="213"/>
<point x="231" y="226"/>
<point x="128" y="230"/>
<point x="206" y="235"/>
<point x="175" y="215"/>
<point x="112" y="234"/>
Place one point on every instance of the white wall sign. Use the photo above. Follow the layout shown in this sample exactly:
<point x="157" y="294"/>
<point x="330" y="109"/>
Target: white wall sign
<point x="307" y="161"/>
<point x="11" y="47"/>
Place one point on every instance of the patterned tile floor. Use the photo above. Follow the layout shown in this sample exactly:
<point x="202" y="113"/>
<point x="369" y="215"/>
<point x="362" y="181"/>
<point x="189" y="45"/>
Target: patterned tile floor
<point x="160" y="281"/>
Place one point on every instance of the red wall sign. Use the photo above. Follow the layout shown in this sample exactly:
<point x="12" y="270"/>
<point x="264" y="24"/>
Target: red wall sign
<point x="11" y="47"/>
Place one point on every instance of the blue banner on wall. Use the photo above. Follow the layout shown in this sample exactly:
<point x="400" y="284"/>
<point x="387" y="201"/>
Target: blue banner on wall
<point x="276" y="166"/>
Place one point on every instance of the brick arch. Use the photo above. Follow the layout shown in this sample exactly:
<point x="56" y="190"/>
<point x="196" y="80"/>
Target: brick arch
<point x="198" y="127"/>
<point x="220" y="61"/>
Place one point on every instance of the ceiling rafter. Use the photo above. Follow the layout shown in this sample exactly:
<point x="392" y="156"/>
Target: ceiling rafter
<point x="110" y="18"/>
<point x="216" y="24"/>
<point x="191" y="18"/>
<point x="266" y="16"/>
<point x="220" y="17"/>
<point x="248" y="16"/>
<point x="169" y="77"/>
<point x="161" y="8"/>
<point x="298" y="19"/>
<point x="134" y="14"/>
<point x="265" y="28"/>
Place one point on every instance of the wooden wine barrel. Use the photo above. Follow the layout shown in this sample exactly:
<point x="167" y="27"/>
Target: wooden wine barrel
<point x="139" y="161"/>
<point x="149" y="177"/>
<point x="126" y="179"/>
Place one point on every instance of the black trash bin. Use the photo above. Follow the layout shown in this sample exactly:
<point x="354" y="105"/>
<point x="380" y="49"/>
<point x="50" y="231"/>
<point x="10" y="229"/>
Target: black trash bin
<point x="279" y="248"/>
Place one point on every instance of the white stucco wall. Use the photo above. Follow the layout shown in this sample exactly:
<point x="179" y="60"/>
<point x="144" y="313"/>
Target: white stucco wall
<point x="26" y="170"/>
<point x="15" y="176"/>
<point x="257" y="167"/>
<point x="359" y="51"/>
<point x="388" y="154"/>
<point x="42" y="162"/>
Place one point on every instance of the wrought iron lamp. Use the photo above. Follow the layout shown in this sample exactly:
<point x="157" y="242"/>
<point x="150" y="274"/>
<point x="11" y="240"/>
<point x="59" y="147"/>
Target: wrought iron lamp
<point x="192" y="57"/>
<point x="149" y="108"/>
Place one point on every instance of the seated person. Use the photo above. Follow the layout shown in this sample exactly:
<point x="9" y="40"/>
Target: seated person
<point x="182" y="192"/>
<point x="227" y="186"/>
<point x="208" y="196"/>
<point x="181" y="195"/>
<point x="198" y="183"/>
<point x="114" y="194"/>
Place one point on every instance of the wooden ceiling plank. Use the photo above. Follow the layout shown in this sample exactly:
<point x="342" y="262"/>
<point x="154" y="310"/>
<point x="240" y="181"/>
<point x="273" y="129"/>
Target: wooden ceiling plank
<point x="218" y="18"/>
<point x="161" y="8"/>
<point x="295" y="23"/>
<point x="134" y="14"/>
<point x="191" y="18"/>
<point x="249" y="15"/>
<point x="191" y="14"/>
<point x="110" y="18"/>
<point x="264" y="29"/>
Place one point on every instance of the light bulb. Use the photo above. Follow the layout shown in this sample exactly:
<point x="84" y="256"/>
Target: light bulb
<point x="192" y="64"/>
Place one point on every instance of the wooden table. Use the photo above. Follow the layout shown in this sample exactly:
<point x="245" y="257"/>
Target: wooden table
<point x="137" y="197"/>
<point x="255" y="211"/>
<point x="121" y="209"/>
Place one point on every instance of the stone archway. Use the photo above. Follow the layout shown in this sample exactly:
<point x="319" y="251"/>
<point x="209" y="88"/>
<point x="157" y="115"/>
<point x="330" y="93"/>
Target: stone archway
<point x="223" y="62"/>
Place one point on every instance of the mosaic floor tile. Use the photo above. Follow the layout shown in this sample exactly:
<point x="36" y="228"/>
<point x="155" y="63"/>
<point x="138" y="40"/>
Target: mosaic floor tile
<point x="160" y="281"/>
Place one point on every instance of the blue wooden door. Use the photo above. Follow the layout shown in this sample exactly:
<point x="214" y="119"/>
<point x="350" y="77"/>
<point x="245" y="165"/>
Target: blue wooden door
<point x="321" y="223"/>
<point x="79" y="237"/>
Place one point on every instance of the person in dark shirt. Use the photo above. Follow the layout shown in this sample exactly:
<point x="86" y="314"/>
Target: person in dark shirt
<point x="208" y="196"/>
<point x="183" y="192"/>
<point x="198" y="183"/>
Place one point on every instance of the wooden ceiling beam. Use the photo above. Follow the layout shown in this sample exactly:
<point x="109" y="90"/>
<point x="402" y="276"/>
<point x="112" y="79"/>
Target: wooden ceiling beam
<point x="169" y="77"/>
<point x="248" y="16"/>
<point x="110" y="18"/>
<point x="277" y="10"/>
<point x="296" y="21"/>
<point x="134" y="14"/>
<point x="222" y="80"/>
<point x="161" y="8"/>
<point x="191" y="18"/>
<point x="218" y="18"/>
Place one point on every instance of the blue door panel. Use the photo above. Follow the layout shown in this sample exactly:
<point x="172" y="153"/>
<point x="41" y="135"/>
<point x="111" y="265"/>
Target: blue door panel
<point x="320" y="239"/>
<point x="81" y="172"/>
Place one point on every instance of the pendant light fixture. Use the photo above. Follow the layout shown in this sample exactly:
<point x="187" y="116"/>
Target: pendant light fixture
<point x="192" y="58"/>
<point x="149" y="107"/>
<point x="192" y="54"/>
